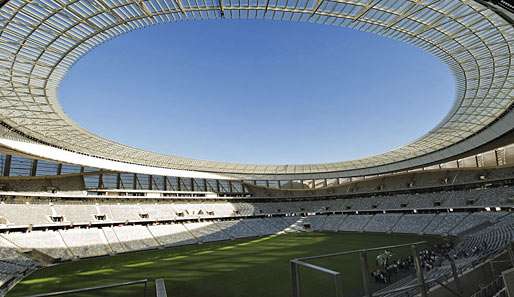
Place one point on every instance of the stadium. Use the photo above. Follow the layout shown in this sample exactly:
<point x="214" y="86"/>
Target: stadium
<point x="83" y="215"/>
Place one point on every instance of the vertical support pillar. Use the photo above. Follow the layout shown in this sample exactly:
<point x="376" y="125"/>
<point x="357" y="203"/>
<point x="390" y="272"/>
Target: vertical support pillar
<point x="205" y="185"/>
<point x="150" y="182"/>
<point x="165" y="183"/>
<point x="496" y="158"/>
<point x="59" y="169"/>
<point x="179" y="186"/>
<point x="313" y="184"/>
<point x="243" y="187"/>
<point x="230" y="187"/>
<point x="100" y="181"/>
<point x="33" y="169"/>
<point x="365" y="274"/>
<point x="134" y="182"/>
<point x="419" y="272"/>
<point x="325" y="183"/>
<point x="118" y="180"/>
<point x="295" y="278"/>
<point x="7" y="165"/>
<point x="218" y="188"/>
<point x="279" y="184"/>
<point x="192" y="184"/>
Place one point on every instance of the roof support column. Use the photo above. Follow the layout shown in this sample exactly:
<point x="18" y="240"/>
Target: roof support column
<point x="7" y="165"/>
<point x="118" y="180"/>
<point x="243" y="187"/>
<point x="59" y="169"/>
<point x="100" y="181"/>
<point x="33" y="169"/>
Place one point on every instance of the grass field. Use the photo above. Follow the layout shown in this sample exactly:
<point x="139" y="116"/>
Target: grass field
<point x="240" y="268"/>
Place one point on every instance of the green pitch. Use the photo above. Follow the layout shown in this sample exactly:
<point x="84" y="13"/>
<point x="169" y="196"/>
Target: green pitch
<point x="257" y="267"/>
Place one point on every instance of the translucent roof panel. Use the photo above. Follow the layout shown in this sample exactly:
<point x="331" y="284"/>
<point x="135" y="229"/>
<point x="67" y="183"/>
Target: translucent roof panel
<point x="40" y="40"/>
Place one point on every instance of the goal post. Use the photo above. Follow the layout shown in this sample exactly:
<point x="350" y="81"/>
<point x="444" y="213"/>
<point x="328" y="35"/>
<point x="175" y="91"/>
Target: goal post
<point x="363" y="254"/>
<point x="295" y="273"/>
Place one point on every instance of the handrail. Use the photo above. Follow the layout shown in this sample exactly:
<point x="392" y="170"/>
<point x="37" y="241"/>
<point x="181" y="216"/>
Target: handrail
<point x="58" y="293"/>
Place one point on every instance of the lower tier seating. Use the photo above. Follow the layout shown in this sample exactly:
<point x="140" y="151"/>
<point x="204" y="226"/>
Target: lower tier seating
<point x="485" y="233"/>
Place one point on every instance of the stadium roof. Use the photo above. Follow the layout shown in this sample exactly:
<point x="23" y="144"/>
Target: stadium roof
<point x="41" y="40"/>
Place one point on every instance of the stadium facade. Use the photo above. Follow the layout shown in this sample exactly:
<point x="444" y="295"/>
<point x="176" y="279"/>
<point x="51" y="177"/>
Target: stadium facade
<point x="41" y="40"/>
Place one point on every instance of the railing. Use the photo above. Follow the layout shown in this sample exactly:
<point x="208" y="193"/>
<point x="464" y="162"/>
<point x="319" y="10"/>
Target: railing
<point x="491" y="289"/>
<point x="97" y="288"/>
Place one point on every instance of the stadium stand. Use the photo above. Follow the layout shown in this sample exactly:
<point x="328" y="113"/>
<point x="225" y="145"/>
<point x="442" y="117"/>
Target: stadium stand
<point x="85" y="242"/>
<point x="206" y="231"/>
<point x="135" y="237"/>
<point x="236" y="229"/>
<point x="172" y="234"/>
<point x="485" y="234"/>
<point x="413" y="223"/>
<point x="382" y="222"/>
<point x="332" y="222"/>
<point x="71" y="225"/>
<point x="355" y="222"/>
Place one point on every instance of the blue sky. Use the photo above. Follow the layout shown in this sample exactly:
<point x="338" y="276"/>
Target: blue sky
<point x="258" y="91"/>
